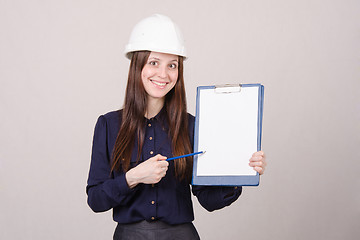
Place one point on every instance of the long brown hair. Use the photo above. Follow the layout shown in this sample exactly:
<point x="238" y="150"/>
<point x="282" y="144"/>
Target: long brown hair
<point x="133" y="120"/>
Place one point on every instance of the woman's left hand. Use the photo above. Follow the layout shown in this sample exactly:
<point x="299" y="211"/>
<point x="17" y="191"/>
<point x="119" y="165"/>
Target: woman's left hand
<point x="258" y="162"/>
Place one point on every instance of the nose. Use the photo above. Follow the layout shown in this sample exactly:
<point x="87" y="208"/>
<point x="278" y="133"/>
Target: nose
<point x="162" y="72"/>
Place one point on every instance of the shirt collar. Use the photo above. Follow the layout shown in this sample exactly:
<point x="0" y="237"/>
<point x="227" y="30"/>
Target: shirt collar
<point x="161" y="117"/>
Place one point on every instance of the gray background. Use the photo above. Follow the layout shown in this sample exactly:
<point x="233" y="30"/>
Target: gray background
<point x="62" y="65"/>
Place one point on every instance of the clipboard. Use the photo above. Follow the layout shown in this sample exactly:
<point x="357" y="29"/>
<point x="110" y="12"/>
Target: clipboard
<point x="228" y="126"/>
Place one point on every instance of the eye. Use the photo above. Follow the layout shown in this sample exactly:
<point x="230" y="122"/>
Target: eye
<point x="173" y="66"/>
<point x="153" y="63"/>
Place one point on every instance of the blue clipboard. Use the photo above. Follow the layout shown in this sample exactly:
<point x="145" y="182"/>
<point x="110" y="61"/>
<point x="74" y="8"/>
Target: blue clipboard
<point x="227" y="116"/>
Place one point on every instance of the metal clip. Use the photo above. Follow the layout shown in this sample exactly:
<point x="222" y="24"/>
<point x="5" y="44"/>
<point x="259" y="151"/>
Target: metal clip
<point x="227" y="88"/>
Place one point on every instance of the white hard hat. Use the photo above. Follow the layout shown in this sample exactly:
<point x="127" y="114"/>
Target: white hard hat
<point x="156" y="33"/>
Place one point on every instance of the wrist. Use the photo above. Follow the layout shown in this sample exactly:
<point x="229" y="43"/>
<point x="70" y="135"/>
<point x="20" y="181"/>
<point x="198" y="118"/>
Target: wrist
<point x="131" y="179"/>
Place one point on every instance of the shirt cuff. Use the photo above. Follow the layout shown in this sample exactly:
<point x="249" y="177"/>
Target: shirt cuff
<point x="230" y="193"/>
<point x="120" y="186"/>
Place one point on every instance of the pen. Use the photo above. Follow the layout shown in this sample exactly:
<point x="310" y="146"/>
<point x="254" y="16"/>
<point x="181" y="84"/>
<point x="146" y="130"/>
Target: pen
<point x="186" y="155"/>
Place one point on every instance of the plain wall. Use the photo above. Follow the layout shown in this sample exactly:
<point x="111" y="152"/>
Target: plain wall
<point x="62" y="65"/>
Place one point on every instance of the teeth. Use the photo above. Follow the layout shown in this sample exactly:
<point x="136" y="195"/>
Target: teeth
<point x="159" y="84"/>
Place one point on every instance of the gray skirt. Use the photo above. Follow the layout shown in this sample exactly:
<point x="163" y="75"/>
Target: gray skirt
<point x="155" y="231"/>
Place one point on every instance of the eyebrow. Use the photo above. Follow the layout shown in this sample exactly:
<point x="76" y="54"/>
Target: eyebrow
<point x="155" y="58"/>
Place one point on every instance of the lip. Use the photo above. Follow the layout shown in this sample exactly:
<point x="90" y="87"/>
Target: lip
<point x="159" y="84"/>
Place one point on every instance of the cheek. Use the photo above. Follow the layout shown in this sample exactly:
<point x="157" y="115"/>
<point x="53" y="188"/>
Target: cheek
<point x="145" y="73"/>
<point x="174" y="77"/>
<point x="142" y="74"/>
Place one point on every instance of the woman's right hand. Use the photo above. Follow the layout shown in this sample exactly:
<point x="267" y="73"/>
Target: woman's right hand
<point x="150" y="171"/>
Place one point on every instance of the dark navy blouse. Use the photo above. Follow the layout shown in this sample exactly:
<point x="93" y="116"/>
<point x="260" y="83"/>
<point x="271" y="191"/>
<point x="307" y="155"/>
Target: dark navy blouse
<point x="168" y="201"/>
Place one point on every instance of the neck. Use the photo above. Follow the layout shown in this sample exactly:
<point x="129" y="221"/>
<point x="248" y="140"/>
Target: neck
<point x="154" y="106"/>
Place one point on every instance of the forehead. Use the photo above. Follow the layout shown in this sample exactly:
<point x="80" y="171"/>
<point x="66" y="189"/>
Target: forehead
<point x="164" y="56"/>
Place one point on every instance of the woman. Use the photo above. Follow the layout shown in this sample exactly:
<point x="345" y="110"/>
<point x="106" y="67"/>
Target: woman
<point x="151" y="197"/>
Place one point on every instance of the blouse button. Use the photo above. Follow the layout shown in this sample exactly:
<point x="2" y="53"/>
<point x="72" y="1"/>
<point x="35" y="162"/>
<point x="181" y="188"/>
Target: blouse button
<point x="152" y="218"/>
<point x="152" y="202"/>
<point x="151" y="152"/>
<point x="149" y="124"/>
<point x="150" y="138"/>
<point x="236" y="188"/>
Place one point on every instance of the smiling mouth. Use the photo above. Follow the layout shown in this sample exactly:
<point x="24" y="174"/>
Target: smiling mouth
<point x="161" y="84"/>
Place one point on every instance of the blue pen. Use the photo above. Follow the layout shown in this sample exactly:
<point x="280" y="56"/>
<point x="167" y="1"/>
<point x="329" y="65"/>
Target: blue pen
<point x="187" y="155"/>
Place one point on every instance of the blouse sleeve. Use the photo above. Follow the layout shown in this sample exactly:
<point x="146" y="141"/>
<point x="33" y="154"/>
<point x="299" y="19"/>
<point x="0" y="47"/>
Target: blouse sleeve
<point x="216" y="197"/>
<point x="105" y="190"/>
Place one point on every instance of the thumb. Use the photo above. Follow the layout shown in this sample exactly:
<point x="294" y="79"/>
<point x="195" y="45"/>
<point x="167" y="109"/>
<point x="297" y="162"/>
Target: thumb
<point x="160" y="157"/>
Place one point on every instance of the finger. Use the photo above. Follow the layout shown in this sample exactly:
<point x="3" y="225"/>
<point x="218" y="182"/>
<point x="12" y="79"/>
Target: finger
<point x="259" y="153"/>
<point x="163" y="164"/>
<point x="261" y="163"/>
<point x="161" y="173"/>
<point x="260" y="170"/>
<point x="160" y="157"/>
<point x="157" y="158"/>
<point x="257" y="159"/>
<point x="257" y="164"/>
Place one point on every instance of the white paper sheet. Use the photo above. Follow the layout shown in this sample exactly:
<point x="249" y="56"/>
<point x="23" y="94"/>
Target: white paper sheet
<point x="227" y="132"/>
